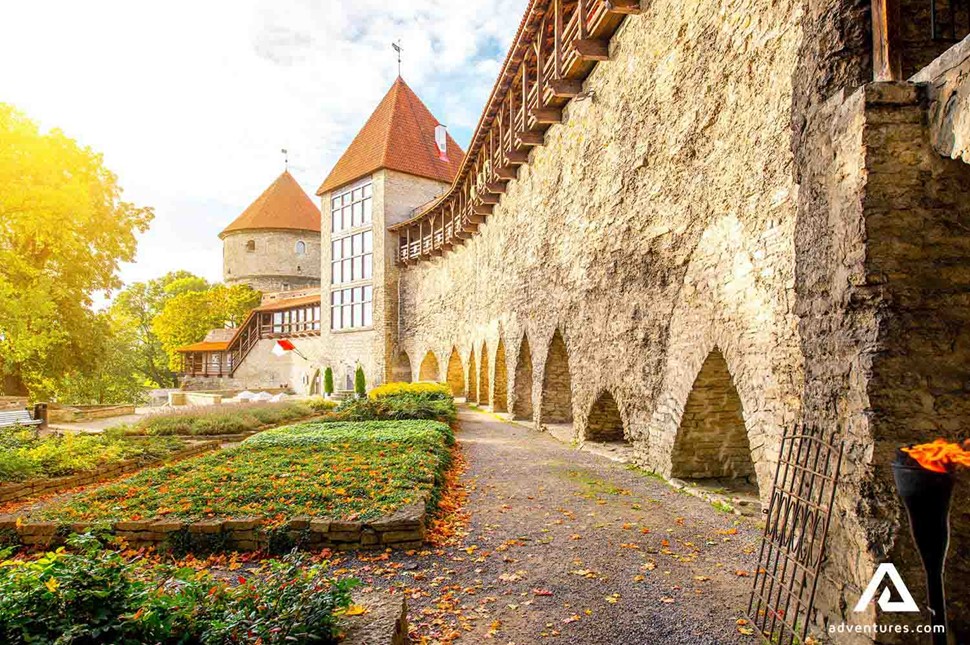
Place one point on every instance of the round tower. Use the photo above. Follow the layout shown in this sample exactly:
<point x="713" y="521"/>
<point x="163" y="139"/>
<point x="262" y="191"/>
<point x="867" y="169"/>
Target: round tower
<point x="275" y="244"/>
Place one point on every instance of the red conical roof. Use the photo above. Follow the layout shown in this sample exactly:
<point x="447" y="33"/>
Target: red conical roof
<point x="399" y="135"/>
<point x="284" y="205"/>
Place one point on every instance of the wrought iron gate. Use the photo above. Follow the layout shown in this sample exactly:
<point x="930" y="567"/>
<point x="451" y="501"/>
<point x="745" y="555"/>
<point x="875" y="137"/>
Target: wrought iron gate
<point x="793" y="545"/>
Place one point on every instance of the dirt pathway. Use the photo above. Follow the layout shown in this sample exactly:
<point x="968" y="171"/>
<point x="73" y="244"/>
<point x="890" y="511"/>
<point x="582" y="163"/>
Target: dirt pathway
<point x="567" y="545"/>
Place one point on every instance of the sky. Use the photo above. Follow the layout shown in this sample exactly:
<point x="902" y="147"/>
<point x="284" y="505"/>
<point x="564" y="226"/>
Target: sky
<point x="191" y="102"/>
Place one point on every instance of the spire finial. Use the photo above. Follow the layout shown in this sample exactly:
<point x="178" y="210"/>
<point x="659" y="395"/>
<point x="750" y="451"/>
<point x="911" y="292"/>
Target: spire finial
<point x="286" y="159"/>
<point x="397" y="47"/>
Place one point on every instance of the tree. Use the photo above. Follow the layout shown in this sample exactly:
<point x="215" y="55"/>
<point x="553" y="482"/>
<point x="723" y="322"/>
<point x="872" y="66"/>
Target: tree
<point x="187" y="317"/>
<point x="328" y="381"/>
<point x="132" y="313"/>
<point x="63" y="232"/>
<point x="360" y="384"/>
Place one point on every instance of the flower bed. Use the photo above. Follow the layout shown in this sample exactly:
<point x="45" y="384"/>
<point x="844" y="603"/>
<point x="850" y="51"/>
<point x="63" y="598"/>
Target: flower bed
<point x="230" y="419"/>
<point x="91" y="595"/>
<point x="397" y="401"/>
<point x="317" y="483"/>
<point x="25" y="456"/>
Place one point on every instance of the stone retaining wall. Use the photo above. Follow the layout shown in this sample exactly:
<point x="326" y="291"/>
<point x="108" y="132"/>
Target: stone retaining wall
<point x="403" y="529"/>
<point x="14" y="491"/>
<point x="72" y="414"/>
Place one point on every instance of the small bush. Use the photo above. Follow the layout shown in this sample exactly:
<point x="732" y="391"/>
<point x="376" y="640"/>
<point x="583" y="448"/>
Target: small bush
<point x="228" y="419"/>
<point x="24" y="455"/>
<point x="320" y="404"/>
<point x="90" y="595"/>
<point x="398" y="408"/>
<point x="423" y="389"/>
<point x="360" y="383"/>
<point x="328" y="381"/>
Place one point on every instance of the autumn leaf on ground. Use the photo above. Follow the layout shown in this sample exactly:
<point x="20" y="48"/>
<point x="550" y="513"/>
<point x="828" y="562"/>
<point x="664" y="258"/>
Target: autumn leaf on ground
<point x="541" y="592"/>
<point x="571" y="619"/>
<point x="741" y="573"/>
<point x="733" y="531"/>
<point x="355" y="610"/>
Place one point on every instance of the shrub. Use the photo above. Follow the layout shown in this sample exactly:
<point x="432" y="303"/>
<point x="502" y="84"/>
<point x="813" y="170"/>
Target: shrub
<point x="90" y="595"/>
<point x="24" y="455"/>
<point x="424" y="389"/>
<point x="320" y="404"/>
<point x="360" y="383"/>
<point x="398" y="408"/>
<point x="328" y="381"/>
<point x="228" y="419"/>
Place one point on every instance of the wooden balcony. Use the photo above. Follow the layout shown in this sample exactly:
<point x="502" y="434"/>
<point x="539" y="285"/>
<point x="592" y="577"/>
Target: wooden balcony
<point x="558" y="44"/>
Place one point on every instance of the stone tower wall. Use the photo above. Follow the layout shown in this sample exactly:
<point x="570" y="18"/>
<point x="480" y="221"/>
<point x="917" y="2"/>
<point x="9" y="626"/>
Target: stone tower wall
<point x="274" y="264"/>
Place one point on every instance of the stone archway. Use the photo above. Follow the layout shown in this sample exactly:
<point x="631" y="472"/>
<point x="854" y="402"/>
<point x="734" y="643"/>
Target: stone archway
<point x="522" y="406"/>
<point x="712" y="441"/>
<point x="456" y="373"/>
<point x="604" y="422"/>
<point x="401" y="368"/>
<point x="484" y="391"/>
<point x="500" y="388"/>
<point x="557" y="398"/>
<point x="429" y="368"/>
<point x="472" y="389"/>
<point x="315" y="384"/>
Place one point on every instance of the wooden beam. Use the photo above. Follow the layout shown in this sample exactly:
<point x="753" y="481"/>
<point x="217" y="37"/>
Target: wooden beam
<point x="531" y="138"/>
<point x="565" y="88"/>
<point x="547" y="115"/>
<point x="887" y="64"/>
<point x="592" y="49"/>
<point x="518" y="157"/>
<point x="489" y="198"/>
<point x="506" y="172"/>
<point x="483" y="209"/>
<point x="627" y="7"/>
<point x="496" y="187"/>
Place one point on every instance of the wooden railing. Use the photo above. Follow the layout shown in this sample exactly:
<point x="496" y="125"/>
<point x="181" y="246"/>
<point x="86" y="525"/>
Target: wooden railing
<point x="558" y="44"/>
<point x="291" y="322"/>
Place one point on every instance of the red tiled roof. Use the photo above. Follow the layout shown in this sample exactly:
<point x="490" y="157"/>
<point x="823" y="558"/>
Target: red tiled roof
<point x="284" y="205"/>
<point x="399" y="135"/>
<point x="290" y="303"/>
<point x="204" y="347"/>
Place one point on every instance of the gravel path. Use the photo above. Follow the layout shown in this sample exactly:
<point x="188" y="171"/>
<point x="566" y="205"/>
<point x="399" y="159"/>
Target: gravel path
<point x="567" y="545"/>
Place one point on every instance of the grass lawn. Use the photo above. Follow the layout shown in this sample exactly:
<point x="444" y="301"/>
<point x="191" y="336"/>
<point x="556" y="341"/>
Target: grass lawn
<point x="344" y="471"/>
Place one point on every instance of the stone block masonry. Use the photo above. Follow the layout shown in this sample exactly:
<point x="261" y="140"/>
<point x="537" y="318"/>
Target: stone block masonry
<point x="404" y="529"/>
<point x="735" y="236"/>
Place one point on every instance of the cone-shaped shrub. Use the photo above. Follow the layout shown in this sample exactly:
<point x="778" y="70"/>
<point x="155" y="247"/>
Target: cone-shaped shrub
<point x="360" y="384"/>
<point x="328" y="381"/>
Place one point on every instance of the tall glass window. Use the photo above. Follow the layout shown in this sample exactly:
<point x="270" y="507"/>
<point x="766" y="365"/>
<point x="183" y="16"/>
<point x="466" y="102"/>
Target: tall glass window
<point x="352" y="258"/>
<point x="351" y="207"/>
<point x="352" y="308"/>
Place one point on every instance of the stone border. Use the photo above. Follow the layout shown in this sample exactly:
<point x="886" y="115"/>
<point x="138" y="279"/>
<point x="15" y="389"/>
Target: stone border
<point x="384" y="623"/>
<point x="15" y="491"/>
<point x="405" y="528"/>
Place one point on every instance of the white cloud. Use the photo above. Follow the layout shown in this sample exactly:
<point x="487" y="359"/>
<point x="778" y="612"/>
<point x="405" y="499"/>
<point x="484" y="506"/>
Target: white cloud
<point x="190" y="102"/>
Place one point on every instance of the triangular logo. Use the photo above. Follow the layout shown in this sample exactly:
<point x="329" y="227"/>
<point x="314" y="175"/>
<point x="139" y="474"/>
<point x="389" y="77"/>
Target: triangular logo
<point x="906" y="604"/>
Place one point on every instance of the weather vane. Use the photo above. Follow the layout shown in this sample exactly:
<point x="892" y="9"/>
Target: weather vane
<point x="286" y="158"/>
<point x="397" y="47"/>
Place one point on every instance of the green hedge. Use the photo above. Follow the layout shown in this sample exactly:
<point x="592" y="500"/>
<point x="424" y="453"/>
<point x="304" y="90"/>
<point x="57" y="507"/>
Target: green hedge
<point x="231" y="419"/>
<point x="89" y="595"/>
<point x="23" y="455"/>
<point x="399" y="407"/>
<point x="339" y="470"/>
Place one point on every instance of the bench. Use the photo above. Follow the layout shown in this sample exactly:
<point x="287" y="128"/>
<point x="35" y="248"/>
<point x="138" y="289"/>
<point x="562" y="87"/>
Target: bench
<point x="18" y="418"/>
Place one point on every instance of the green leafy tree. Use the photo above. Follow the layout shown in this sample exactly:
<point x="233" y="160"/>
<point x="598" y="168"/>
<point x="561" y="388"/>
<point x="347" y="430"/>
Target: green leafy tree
<point x="328" y="381"/>
<point x="64" y="229"/>
<point x="132" y="313"/>
<point x="360" y="383"/>
<point x="187" y="317"/>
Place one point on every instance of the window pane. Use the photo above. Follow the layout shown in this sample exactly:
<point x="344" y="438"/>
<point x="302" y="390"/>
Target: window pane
<point x="358" y="214"/>
<point x="357" y="194"/>
<point x="368" y="293"/>
<point x="367" y="189"/>
<point x="368" y="266"/>
<point x="335" y="318"/>
<point x="348" y="249"/>
<point x="334" y="203"/>
<point x="345" y="317"/>
<point x="358" y="268"/>
<point x="358" y="315"/>
<point x="336" y="250"/>
<point x="358" y="244"/>
<point x="368" y="241"/>
<point x="367" y="210"/>
<point x="346" y="198"/>
<point x="335" y="273"/>
<point x="348" y="276"/>
<point x="368" y="314"/>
